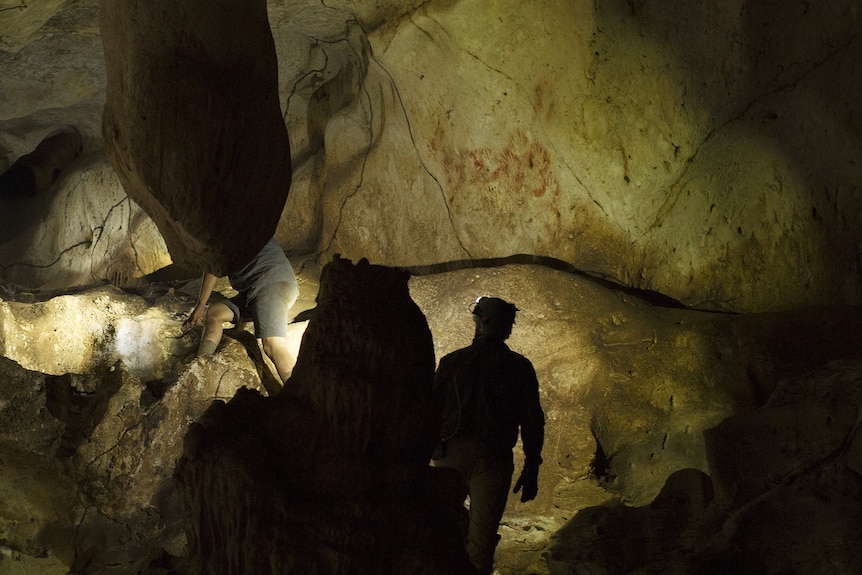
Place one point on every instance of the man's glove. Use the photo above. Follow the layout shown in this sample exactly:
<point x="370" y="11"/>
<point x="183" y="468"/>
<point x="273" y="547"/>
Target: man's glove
<point x="529" y="482"/>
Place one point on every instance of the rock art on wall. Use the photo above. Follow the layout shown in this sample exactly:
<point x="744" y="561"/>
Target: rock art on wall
<point x="685" y="150"/>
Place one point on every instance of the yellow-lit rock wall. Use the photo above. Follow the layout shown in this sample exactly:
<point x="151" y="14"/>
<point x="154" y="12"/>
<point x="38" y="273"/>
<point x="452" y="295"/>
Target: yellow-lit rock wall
<point x="684" y="148"/>
<point x="703" y="150"/>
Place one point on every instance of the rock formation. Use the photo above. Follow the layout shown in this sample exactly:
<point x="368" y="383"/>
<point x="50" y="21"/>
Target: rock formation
<point x="331" y="475"/>
<point x="89" y="441"/>
<point x="680" y="149"/>
<point x="667" y="189"/>
<point x="37" y="171"/>
<point x="780" y="497"/>
<point x="193" y="125"/>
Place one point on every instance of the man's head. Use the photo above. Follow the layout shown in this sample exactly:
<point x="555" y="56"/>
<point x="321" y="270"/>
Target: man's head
<point x="494" y="317"/>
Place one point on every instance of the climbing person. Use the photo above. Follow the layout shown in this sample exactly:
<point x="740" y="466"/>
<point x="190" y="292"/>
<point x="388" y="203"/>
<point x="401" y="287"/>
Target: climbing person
<point x="267" y="289"/>
<point x="489" y="394"/>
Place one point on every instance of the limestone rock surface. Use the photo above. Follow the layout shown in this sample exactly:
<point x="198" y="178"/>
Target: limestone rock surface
<point x="782" y="495"/>
<point x="193" y="124"/>
<point x="89" y="436"/>
<point x="67" y="237"/>
<point x="663" y="146"/>
<point x="629" y="389"/>
<point x="331" y="475"/>
<point x="682" y="148"/>
<point x="635" y="155"/>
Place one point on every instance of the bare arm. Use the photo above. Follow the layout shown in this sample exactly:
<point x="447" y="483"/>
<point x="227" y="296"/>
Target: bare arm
<point x="196" y="317"/>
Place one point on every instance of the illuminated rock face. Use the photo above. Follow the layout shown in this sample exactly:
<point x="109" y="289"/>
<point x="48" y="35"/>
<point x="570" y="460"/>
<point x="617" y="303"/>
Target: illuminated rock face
<point x="89" y="436"/>
<point x="664" y="147"/>
<point x="69" y="237"/>
<point x="193" y="124"/>
<point x="686" y="150"/>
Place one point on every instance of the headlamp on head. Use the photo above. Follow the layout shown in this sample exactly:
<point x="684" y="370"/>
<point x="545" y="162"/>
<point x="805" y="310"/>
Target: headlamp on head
<point x="474" y="307"/>
<point x="494" y="309"/>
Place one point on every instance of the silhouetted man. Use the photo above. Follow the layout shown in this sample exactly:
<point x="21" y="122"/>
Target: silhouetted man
<point x="489" y="393"/>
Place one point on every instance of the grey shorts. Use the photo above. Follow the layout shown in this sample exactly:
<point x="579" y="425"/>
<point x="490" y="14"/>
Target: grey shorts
<point x="268" y="309"/>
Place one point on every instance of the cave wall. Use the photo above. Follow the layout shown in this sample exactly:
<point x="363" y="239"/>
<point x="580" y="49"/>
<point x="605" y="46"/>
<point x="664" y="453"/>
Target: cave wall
<point x="688" y="149"/>
<point x="676" y="147"/>
<point x="98" y="390"/>
<point x="684" y="148"/>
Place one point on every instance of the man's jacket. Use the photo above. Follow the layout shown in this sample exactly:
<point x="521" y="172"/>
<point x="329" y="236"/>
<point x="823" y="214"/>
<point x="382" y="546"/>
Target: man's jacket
<point x="489" y="392"/>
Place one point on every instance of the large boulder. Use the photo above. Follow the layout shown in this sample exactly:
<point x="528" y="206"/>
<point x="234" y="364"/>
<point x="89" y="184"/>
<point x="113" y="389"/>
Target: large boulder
<point x="92" y="427"/>
<point x="782" y="495"/>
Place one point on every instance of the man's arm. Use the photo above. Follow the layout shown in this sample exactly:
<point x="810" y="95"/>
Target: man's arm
<point x="196" y="317"/>
<point x="532" y="421"/>
<point x="532" y="437"/>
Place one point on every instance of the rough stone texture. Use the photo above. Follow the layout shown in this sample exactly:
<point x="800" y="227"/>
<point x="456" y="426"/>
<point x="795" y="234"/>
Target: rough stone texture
<point x="52" y="76"/>
<point x="368" y="360"/>
<point x="629" y="389"/>
<point x="670" y="147"/>
<point x="75" y="333"/>
<point x="193" y="125"/>
<point x="331" y="475"/>
<point x="680" y="147"/>
<point x="687" y="148"/>
<point x="809" y="421"/>
<point x="787" y="496"/>
<point x="616" y="539"/>
<point x="67" y="236"/>
<point x="87" y="455"/>
<point x="21" y="23"/>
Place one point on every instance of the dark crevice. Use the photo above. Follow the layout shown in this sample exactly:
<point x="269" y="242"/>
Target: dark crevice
<point x="25" y="185"/>
<point x="153" y="392"/>
<point x="80" y="402"/>
<point x="600" y="466"/>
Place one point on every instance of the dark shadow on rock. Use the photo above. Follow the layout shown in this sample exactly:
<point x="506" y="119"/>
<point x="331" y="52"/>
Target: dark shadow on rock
<point x="783" y="495"/>
<point x="249" y="342"/>
<point x="80" y="402"/>
<point x="24" y="186"/>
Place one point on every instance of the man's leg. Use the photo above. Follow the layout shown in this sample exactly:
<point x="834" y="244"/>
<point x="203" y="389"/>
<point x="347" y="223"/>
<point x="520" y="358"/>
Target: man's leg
<point x="270" y="310"/>
<point x="487" y="479"/>
<point x="217" y="314"/>
<point x="277" y="349"/>
<point x="489" y="483"/>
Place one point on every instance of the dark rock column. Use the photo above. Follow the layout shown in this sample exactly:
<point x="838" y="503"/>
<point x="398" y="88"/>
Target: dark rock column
<point x="193" y="124"/>
<point x="332" y="475"/>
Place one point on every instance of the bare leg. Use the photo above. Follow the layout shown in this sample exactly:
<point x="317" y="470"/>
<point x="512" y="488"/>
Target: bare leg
<point x="217" y="314"/>
<point x="277" y="349"/>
